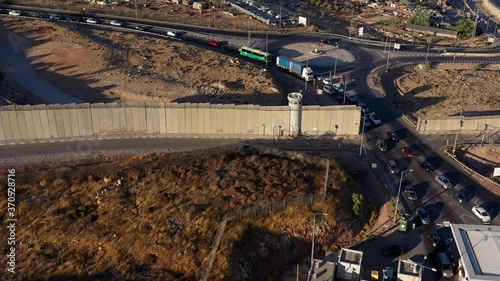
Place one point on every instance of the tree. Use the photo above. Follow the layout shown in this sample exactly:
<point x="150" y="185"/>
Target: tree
<point x="421" y="17"/>
<point x="357" y="203"/>
<point x="465" y="28"/>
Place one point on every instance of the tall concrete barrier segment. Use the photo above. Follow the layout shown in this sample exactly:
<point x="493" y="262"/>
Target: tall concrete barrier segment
<point x="478" y="123"/>
<point x="72" y="121"/>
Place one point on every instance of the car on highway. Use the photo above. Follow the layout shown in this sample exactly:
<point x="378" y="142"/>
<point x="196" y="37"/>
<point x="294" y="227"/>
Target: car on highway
<point x="14" y="13"/>
<point x="481" y="213"/>
<point x="411" y="194"/>
<point x="91" y="20"/>
<point x="393" y="136"/>
<point x="364" y="108"/>
<point x="381" y="145"/>
<point x="116" y="23"/>
<point x="393" y="167"/>
<point x="408" y="151"/>
<point x="375" y="119"/>
<point x="392" y="250"/>
<point x="175" y="34"/>
<point x="214" y="43"/>
<point x="55" y="17"/>
<point x="141" y="27"/>
<point x="443" y="181"/>
<point x="422" y="213"/>
<point x="460" y="195"/>
<point x="435" y="239"/>
<point x="327" y="81"/>
<point x="426" y="166"/>
<point x="327" y="40"/>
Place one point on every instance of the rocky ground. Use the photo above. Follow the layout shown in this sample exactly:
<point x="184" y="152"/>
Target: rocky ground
<point x="119" y="218"/>
<point x="436" y="92"/>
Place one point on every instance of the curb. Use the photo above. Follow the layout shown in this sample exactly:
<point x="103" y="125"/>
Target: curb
<point x="471" y="170"/>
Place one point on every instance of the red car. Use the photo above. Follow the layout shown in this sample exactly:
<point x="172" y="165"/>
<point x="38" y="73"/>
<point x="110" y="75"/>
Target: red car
<point x="408" y="151"/>
<point x="213" y="43"/>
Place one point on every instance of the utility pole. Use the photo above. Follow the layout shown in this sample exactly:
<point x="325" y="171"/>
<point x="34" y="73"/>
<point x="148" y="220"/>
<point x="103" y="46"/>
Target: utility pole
<point x="281" y="5"/>
<point x="388" y="53"/>
<point x="136" y="13"/>
<point x="488" y="25"/>
<point x="350" y="28"/>
<point x="428" y="47"/>
<point x="399" y="193"/>
<point x="458" y="129"/>
<point x="209" y="14"/>
<point x="248" y="26"/>
<point x="335" y="68"/>
<point x="363" y="118"/>
<point x="475" y="23"/>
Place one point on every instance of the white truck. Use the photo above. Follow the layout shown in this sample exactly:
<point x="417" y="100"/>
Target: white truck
<point x="294" y="67"/>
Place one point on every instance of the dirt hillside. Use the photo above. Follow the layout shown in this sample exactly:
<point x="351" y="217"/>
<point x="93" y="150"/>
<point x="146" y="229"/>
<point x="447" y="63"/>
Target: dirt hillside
<point x="156" y="216"/>
<point x="102" y="65"/>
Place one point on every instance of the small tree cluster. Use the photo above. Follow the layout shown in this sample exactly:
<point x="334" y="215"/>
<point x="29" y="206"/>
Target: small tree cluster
<point x="465" y="28"/>
<point x="357" y="204"/>
<point x="421" y="17"/>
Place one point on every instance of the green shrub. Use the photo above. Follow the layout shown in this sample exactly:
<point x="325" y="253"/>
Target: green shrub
<point x="357" y="204"/>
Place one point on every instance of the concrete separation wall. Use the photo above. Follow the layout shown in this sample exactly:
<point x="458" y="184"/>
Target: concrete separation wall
<point x="71" y="121"/>
<point x="478" y="123"/>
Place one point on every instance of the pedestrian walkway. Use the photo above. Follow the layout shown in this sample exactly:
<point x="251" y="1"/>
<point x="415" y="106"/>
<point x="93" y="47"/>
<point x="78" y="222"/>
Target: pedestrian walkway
<point x="15" y="65"/>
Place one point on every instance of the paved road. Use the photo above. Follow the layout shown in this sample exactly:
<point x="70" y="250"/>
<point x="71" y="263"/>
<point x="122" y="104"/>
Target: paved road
<point x="14" y="63"/>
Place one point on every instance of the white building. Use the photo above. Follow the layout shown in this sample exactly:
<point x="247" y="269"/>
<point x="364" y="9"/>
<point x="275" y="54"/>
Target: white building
<point x="478" y="248"/>
<point x="409" y="271"/>
<point x="349" y="265"/>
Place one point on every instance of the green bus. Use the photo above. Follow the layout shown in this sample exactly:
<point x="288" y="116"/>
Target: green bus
<point x="255" y="54"/>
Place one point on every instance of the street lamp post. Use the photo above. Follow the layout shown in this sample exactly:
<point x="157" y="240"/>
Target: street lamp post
<point x="335" y="67"/>
<point x="313" y="233"/>
<point x="428" y="47"/>
<point x="388" y="53"/>
<point x="362" y="132"/>
<point x="399" y="192"/>
<point x="350" y="28"/>
<point x="458" y="129"/>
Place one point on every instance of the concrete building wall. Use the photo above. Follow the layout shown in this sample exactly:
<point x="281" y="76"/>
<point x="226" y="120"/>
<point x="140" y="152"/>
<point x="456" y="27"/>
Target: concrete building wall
<point x="89" y="120"/>
<point x="479" y="123"/>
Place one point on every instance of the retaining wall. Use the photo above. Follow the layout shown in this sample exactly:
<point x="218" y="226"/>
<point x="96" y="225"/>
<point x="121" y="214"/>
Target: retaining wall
<point x="479" y="123"/>
<point x="84" y="120"/>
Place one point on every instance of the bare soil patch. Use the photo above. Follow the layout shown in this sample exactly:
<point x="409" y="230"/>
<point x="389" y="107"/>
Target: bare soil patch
<point x="161" y="220"/>
<point x="436" y="92"/>
<point x="102" y="65"/>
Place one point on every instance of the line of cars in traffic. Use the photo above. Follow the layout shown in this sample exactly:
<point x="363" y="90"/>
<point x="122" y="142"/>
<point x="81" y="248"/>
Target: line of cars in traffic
<point x="460" y="195"/>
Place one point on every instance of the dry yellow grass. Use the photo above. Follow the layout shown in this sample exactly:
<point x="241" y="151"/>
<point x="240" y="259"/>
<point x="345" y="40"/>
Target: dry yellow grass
<point x="78" y="224"/>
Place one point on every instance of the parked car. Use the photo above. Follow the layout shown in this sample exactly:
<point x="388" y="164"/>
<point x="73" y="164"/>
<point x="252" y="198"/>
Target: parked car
<point x="116" y="23"/>
<point x="393" y="167"/>
<point x="481" y="213"/>
<point x="327" y="81"/>
<point x="91" y="20"/>
<point x="366" y="122"/>
<point x="381" y="145"/>
<point x="364" y="108"/>
<point x="392" y="250"/>
<point x="423" y="215"/>
<point x="55" y="17"/>
<point x="435" y="239"/>
<point x="338" y="87"/>
<point x="460" y="195"/>
<point x="425" y="165"/>
<point x="411" y="193"/>
<point x="393" y="136"/>
<point x="173" y="33"/>
<point x="327" y="40"/>
<point x="445" y="265"/>
<point x="351" y="99"/>
<point x="375" y="119"/>
<point x="14" y="13"/>
<point x="443" y="181"/>
<point x="408" y="151"/>
<point x="213" y="43"/>
<point x="328" y="89"/>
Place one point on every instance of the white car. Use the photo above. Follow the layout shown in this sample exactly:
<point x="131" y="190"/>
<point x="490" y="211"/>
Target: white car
<point x="443" y="181"/>
<point x="91" y="20"/>
<point x="327" y="81"/>
<point x="338" y="87"/>
<point x="327" y="89"/>
<point x="375" y="119"/>
<point x="364" y="108"/>
<point x="14" y="13"/>
<point x="116" y="23"/>
<point x="481" y="213"/>
<point x="366" y="121"/>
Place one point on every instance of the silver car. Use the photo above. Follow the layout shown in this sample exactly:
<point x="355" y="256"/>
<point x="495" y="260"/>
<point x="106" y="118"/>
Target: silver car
<point x="393" y="168"/>
<point x="443" y="181"/>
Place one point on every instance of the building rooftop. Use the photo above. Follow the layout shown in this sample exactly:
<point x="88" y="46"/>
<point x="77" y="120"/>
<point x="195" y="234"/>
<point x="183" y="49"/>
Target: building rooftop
<point x="351" y="256"/>
<point x="410" y="270"/>
<point x="479" y="250"/>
